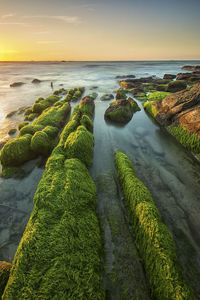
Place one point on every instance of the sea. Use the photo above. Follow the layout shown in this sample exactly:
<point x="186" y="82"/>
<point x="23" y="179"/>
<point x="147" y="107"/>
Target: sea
<point x="168" y="170"/>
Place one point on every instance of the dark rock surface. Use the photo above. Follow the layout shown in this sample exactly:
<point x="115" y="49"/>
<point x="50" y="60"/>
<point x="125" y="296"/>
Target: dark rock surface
<point x="36" y="81"/>
<point x="176" y="86"/>
<point x="16" y="84"/>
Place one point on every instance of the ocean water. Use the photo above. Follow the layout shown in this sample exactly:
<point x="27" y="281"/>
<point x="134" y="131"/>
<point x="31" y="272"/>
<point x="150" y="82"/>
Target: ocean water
<point x="167" y="169"/>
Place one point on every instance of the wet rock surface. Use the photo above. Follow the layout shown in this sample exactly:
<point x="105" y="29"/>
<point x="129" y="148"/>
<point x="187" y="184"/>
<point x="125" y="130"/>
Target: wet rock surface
<point x="182" y="108"/>
<point x="16" y="84"/>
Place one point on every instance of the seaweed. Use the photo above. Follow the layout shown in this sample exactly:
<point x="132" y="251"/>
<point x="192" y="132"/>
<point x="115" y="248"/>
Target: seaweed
<point x="4" y="275"/>
<point x="191" y="141"/>
<point x="158" y="96"/>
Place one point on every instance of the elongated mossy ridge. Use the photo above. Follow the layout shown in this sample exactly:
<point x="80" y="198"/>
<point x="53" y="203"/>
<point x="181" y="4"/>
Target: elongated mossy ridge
<point x="59" y="254"/>
<point x="154" y="240"/>
<point x="87" y="122"/>
<point x="21" y="125"/>
<point x="189" y="140"/>
<point x="4" y="275"/>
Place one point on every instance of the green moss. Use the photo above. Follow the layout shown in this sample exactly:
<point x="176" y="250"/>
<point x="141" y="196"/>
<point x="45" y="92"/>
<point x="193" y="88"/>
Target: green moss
<point x="53" y="116"/>
<point x="4" y="275"/>
<point x="51" y="131"/>
<point x="40" y="143"/>
<point x="158" y="96"/>
<point x="87" y="122"/>
<point x="21" y="125"/>
<point x="79" y="144"/>
<point x="121" y="94"/>
<point x="28" y="111"/>
<point x="16" y="151"/>
<point x="76" y="95"/>
<point x="150" y="107"/>
<point x="154" y="240"/>
<point x="61" y="91"/>
<point x="30" y="129"/>
<point x="59" y="253"/>
<point x="31" y="117"/>
<point x="189" y="140"/>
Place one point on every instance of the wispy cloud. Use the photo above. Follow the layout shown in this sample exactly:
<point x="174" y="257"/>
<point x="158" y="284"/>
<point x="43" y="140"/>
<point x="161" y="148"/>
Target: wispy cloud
<point x="15" y="23"/>
<point x="67" y="19"/>
<point x="48" y="42"/>
<point x="41" y="32"/>
<point x="8" y="16"/>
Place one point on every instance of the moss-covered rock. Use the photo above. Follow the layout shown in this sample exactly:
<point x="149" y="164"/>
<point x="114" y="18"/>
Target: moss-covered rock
<point x="28" y="111"/>
<point x="79" y="144"/>
<point x="4" y="275"/>
<point x="154" y="240"/>
<point x="21" y="125"/>
<point x="121" y="111"/>
<point x="16" y="151"/>
<point x="40" y="143"/>
<point x="51" y="131"/>
<point x="158" y="96"/>
<point x="151" y="108"/>
<point x="30" y="129"/>
<point x="176" y="86"/>
<point x="31" y="117"/>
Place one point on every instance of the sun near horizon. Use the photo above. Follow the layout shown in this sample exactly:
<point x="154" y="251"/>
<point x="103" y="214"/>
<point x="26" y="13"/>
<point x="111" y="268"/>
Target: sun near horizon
<point x="99" y="30"/>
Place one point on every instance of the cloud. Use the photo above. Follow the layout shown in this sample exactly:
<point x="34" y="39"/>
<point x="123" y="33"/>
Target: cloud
<point x="67" y="19"/>
<point x="8" y="16"/>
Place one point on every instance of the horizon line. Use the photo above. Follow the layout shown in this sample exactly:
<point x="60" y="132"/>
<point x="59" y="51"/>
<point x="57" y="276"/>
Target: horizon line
<point x="63" y="61"/>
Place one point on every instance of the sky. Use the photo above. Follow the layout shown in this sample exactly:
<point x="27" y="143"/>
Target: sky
<point x="99" y="29"/>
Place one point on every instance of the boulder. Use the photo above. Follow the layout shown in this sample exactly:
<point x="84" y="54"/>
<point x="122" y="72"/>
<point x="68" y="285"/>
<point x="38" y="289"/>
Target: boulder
<point x="189" y="77"/>
<point x="16" y="84"/>
<point x="176" y="86"/>
<point x="121" y="111"/>
<point x="169" y="76"/>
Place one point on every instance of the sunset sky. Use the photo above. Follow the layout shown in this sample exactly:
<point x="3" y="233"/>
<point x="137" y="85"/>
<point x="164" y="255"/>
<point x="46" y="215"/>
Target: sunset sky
<point x="99" y="29"/>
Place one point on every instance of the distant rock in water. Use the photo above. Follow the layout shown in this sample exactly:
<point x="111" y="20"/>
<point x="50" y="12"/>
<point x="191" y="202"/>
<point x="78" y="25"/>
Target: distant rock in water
<point x="169" y="76"/>
<point x="107" y="97"/>
<point x="12" y="113"/>
<point x="36" y="81"/>
<point x="189" y="77"/>
<point x="191" y="68"/>
<point x="124" y="76"/>
<point x="16" y="84"/>
<point x="12" y="131"/>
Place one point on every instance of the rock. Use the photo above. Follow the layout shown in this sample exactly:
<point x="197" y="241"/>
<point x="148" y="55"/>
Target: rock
<point x="189" y="77"/>
<point x="169" y="76"/>
<point x="120" y="94"/>
<point x="94" y="87"/>
<point x="36" y="81"/>
<point x="176" y="86"/>
<point x="124" y="76"/>
<point x="182" y="107"/>
<point x="12" y="113"/>
<point x="12" y="131"/>
<point x="179" y="113"/>
<point x="161" y="88"/>
<point x="16" y="84"/>
<point x="106" y="97"/>
<point x="3" y="141"/>
<point x="121" y="111"/>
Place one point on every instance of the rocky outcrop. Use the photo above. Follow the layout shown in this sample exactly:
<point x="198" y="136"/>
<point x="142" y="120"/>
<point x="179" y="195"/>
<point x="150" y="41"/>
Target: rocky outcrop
<point x="180" y="114"/>
<point x="189" y="77"/>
